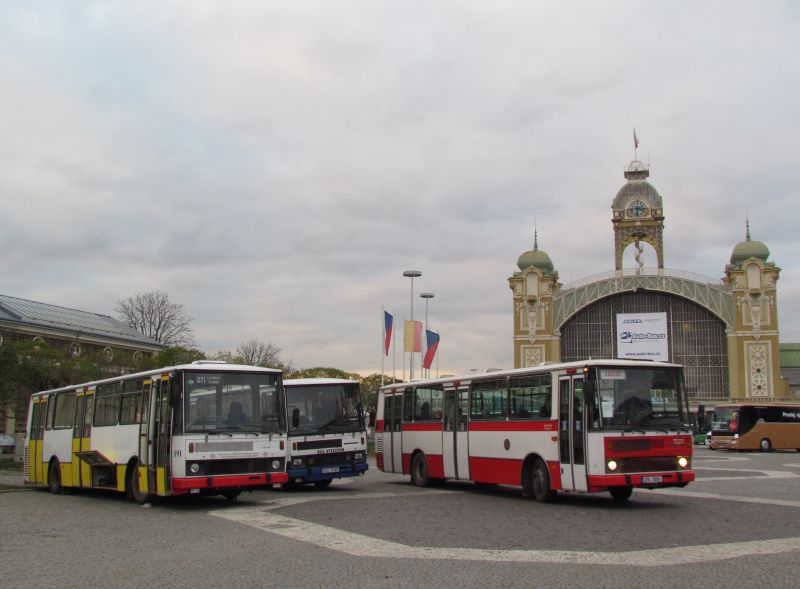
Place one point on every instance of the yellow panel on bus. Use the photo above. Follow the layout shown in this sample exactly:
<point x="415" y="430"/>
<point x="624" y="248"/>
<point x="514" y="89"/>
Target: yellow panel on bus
<point x="143" y="482"/>
<point x="161" y="480"/>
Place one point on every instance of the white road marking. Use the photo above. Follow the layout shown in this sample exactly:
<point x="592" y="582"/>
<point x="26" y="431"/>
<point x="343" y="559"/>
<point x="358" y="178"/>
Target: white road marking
<point x="768" y="474"/>
<point x="261" y="516"/>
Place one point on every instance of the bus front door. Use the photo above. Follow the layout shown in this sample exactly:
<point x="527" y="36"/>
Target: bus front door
<point x="146" y="469"/>
<point x="160" y="469"/>
<point x="572" y="433"/>
<point x="454" y="436"/>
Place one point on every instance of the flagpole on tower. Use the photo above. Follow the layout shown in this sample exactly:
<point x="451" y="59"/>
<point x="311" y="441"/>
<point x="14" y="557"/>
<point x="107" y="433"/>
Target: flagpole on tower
<point x="635" y="143"/>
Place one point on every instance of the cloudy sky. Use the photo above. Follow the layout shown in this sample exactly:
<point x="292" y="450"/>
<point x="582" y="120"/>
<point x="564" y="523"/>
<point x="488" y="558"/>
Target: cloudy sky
<point x="276" y="166"/>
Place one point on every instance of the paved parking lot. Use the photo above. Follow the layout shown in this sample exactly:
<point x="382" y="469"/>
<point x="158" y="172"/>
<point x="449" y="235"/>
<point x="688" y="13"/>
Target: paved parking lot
<point x="736" y="524"/>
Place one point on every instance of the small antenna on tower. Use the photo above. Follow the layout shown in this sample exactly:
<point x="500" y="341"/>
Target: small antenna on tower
<point x="747" y="224"/>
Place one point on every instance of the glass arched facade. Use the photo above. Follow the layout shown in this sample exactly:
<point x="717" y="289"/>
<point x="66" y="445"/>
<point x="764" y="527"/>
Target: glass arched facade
<point x="696" y="337"/>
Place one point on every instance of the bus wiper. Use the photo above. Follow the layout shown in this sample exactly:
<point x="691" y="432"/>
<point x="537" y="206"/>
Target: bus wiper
<point x="338" y="419"/>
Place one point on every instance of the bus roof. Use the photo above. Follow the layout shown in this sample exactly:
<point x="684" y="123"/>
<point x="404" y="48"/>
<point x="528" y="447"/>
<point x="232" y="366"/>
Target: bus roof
<point x="196" y="366"/>
<point x="299" y="382"/>
<point x="544" y="367"/>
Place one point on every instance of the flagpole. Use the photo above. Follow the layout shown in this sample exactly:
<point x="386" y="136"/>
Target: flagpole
<point x="394" y="347"/>
<point x="383" y="341"/>
<point x="404" y="349"/>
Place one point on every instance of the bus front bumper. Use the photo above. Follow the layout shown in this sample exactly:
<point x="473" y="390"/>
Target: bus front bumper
<point x="195" y="484"/>
<point x="327" y="472"/>
<point x="654" y="480"/>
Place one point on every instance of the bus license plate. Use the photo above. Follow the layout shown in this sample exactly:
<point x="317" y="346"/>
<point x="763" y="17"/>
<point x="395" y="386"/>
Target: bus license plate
<point x="652" y="479"/>
<point x="336" y="469"/>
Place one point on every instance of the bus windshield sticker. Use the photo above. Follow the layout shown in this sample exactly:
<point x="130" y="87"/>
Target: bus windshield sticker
<point x="612" y="374"/>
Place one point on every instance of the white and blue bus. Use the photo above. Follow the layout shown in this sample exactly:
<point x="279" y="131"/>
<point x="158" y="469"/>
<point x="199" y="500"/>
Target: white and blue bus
<point x="327" y="433"/>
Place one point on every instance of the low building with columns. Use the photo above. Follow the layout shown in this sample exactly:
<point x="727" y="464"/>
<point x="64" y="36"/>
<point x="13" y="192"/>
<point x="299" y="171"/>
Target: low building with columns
<point x="724" y="331"/>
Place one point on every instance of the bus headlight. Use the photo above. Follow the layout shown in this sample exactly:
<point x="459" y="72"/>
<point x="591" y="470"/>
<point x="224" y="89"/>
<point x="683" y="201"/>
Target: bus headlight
<point x="683" y="462"/>
<point x="612" y="465"/>
<point x="194" y="468"/>
<point x="358" y="456"/>
<point x="297" y="462"/>
<point x="276" y="464"/>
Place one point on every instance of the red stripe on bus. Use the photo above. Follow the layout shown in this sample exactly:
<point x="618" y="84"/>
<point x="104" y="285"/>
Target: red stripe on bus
<point x="379" y="426"/>
<point x="513" y="426"/>
<point x="184" y="485"/>
<point x="422" y="427"/>
<point x="502" y="471"/>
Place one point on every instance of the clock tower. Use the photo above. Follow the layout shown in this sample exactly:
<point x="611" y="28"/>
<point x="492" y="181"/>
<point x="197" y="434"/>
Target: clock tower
<point x="638" y="216"/>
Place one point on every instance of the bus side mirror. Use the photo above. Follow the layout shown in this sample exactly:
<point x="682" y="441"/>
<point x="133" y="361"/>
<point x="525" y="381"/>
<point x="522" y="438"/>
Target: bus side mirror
<point x="295" y="418"/>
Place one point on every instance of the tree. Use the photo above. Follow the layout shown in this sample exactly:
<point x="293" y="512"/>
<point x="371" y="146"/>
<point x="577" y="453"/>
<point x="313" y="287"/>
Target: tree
<point x="29" y="366"/>
<point x="323" y="372"/>
<point x="258" y="353"/>
<point x="369" y="388"/>
<point x="153" y="315"/>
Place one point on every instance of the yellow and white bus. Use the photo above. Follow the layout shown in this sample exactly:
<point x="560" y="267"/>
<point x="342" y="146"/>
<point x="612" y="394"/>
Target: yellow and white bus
<point x="202" y="428"/>
<point x="756" y="426"/>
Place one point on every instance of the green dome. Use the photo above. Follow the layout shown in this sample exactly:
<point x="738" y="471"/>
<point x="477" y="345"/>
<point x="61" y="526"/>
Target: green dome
<point x="536" y="258"/>
<point x="749" y="249"/>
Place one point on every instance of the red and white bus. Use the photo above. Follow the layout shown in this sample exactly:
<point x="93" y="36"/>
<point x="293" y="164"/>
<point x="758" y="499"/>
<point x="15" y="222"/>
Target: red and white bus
<point x="204" y="428"/>
<point x="591" y="426"/>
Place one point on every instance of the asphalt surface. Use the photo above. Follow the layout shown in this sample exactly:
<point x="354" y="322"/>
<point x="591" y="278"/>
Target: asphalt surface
<point x="736" y="526"/>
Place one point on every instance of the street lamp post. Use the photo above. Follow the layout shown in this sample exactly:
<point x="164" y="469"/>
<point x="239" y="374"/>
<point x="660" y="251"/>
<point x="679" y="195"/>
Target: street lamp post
<point x="412" y="274"/>
<point x="427" y="296"/>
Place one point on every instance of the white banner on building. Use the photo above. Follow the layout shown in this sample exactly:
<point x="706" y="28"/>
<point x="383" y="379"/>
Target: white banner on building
<point x="642" y="336"/>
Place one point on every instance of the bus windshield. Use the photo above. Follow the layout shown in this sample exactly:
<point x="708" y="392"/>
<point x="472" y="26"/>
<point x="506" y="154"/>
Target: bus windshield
<point x="324" y="408"/>
<point x="725" y="420"/>
<point x="232" y="401"/>
<point x="632" y="398"/>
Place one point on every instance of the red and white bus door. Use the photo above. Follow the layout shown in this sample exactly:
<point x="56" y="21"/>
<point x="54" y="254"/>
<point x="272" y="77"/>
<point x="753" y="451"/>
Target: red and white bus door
<point x="397" y="434"/>
<point x="572" y="433"/>
<point x="455" y="448"/>
<point x="392" y="443"/>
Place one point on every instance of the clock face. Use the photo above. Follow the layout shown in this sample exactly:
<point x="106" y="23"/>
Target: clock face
<point x="637" y="209"/>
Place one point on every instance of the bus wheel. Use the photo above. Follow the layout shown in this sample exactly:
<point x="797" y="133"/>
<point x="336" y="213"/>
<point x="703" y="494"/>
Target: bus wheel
<point x="540" y="483"/>
<point x="621" y="494"/>
<point x="765" y="445"/>
<point x="322" y="484"/>
<point x="419" y="470"/>
<point x="134" y="488"/>
<point x="54" y="479"/>
<point x="231" y="495"/>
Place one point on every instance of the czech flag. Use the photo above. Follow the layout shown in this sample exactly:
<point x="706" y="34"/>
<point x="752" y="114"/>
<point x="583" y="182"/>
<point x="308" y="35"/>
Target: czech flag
<point x="387" y="332"/>
<point x="433" y="345"/>
<point x="413" y="336"/>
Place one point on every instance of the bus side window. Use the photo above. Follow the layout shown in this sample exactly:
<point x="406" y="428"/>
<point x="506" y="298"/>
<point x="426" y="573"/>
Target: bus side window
<point x="408" y="405"/>
<point x="51" y="410"/>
